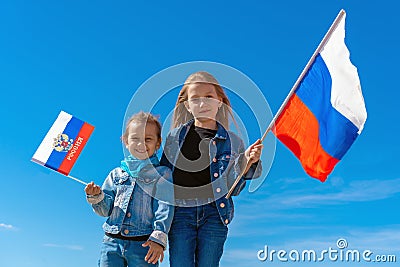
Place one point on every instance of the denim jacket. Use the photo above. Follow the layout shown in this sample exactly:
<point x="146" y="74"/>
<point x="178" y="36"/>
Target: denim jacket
<point x="136" y="205"/>
<point x="226" y="162"/>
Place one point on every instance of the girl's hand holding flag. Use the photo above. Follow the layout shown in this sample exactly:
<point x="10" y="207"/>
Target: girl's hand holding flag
<point x="253" y="153"/>
<point x="92" y="189"/>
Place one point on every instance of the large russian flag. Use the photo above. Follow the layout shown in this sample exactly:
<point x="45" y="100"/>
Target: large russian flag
<point x="63" y="143"/>
<point x="326" y="113"/>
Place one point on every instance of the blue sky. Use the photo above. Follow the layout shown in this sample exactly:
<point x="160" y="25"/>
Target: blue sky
<point x="89" y="58"/>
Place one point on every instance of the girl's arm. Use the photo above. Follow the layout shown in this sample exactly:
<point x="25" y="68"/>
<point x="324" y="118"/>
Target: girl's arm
<point x="253" y="168"/>
<point x="165" y="158"/>
<point x="162" y="207"/>
<point x="249" y="160"/>
<point x="253" y="154"/>
<point x="103" y="202"/>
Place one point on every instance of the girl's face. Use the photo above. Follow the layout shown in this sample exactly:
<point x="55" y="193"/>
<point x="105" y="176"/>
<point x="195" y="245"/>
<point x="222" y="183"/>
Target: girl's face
<point x="203" y="101"/>
<point x="142" y="140"/>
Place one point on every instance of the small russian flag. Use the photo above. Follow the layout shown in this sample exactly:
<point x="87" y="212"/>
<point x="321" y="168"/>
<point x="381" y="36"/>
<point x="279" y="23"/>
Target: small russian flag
<point x="63" y="143"/>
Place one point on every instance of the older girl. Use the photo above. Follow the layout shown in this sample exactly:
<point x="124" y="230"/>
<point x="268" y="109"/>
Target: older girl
<point x="205" y="158"/>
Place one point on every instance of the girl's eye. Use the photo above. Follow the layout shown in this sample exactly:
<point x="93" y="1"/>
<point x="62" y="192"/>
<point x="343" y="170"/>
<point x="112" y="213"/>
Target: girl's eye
<point x="194" y="100"/>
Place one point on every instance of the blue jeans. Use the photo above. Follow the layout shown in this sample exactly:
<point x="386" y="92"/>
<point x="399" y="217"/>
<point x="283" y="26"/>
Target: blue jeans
<point x="197" y="237"/>
<point x="116" y="252"/>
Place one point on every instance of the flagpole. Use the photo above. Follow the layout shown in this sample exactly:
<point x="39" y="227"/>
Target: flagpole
<point x="68" y="176"/>
<point x="76" y="179"/>
<point x="299" y="79"/>
<point x="305" y="70"/>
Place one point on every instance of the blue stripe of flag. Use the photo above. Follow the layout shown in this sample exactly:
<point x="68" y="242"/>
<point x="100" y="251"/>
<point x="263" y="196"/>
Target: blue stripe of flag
<point x="336" y="132"/>
<point x="72" y="130"/>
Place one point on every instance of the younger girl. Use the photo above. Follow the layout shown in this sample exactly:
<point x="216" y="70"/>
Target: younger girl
<point x="137" y="225"/>
<point x="205" y="158"/>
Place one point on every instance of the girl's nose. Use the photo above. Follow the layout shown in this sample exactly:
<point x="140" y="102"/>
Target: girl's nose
<point x="140" y="144"/>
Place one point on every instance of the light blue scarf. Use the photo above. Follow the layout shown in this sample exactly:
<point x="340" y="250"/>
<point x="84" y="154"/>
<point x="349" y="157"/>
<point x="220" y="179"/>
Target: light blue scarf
<point x="133" y="165"/>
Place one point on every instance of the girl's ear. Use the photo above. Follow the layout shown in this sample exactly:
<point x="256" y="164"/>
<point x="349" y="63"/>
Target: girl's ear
<point x="123" y="140"/>
<point x="159" y="143"/>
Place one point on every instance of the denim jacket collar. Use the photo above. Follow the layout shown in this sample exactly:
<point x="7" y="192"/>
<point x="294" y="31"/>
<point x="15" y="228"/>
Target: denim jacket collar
<point x="133" y="166"/>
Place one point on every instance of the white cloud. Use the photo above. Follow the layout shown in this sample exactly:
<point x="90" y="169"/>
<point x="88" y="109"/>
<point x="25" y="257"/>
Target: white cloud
<point x="382" y="239"/>
<point x="358" y="191"/>
<point x="242" y="257"/>
<point x="275" y="216"/>
<point x="7" y="226"/>
<point x="69" y="247"/>
<point x="274" y="212"/>
<point x="336" y="192"/>
<point x="385" y="239"/>
<point x="235" y="255"/>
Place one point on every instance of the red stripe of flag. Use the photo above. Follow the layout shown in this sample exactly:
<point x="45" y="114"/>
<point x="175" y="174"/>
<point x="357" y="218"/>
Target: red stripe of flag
<point x="298" y="129"/>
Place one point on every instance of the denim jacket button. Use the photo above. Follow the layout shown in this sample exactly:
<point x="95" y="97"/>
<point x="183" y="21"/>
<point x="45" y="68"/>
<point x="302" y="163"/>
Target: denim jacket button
<point x="222" y="205"/>
<point x="128" y="215"/>
<point x="218" y="190"/>
<point x="214" y="143"/>
<point x="226" y="221"/>
<point x="126" y="231"/>
<point x="215" y="174"/>
<point x="214" y="160"/>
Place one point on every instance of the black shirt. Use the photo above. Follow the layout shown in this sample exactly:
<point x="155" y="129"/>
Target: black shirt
<point x="192" y="168"/>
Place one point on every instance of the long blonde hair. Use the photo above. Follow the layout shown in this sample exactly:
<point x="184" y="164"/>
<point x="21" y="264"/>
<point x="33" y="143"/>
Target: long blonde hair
<point x="182" y="115"/>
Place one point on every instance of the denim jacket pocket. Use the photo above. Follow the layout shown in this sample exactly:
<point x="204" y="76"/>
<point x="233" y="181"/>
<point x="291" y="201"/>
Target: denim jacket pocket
<point x="225" y="156"/>
<point x="224" y="160"/>
<point x="147" y="184"/>
<point x="121" y="200"/>
<point x="146" y="180"/>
